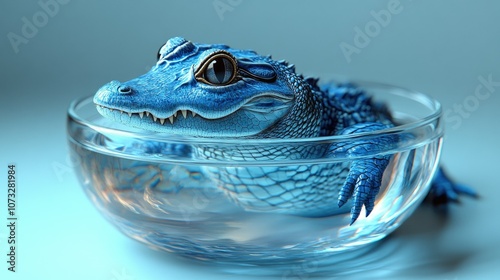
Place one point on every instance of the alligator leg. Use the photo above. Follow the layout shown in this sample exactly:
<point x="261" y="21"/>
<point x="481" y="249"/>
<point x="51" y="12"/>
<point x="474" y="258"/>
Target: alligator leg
<point x="365" y="174"/>
<point x="444" y="190"/>
<point x="363" y="184"/>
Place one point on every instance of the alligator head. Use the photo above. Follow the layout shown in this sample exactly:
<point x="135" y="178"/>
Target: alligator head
<point x="205" y="90"/>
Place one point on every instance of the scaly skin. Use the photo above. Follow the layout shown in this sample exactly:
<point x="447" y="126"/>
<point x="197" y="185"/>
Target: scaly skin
<point x="215" y="91"/>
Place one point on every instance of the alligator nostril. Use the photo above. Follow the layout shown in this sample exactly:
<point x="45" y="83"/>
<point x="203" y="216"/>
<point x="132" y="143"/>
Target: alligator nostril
<point x="124" y="89"/>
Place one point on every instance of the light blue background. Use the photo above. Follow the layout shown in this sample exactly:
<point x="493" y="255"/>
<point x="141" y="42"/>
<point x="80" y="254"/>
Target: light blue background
<point x="437" y="47"/>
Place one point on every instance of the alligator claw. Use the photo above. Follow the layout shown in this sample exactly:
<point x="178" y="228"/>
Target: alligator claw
<point x="363" y="184"/>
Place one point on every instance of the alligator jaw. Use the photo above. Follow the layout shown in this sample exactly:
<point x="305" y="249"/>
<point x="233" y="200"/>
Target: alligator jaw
<point x="147" y="114"/>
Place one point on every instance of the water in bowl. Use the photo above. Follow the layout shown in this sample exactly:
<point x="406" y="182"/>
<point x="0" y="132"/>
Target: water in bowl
<point x="175" y="205"/>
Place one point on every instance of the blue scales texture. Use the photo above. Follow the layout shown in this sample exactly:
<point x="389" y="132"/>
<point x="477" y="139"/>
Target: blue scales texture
<point x="216" y="91"/>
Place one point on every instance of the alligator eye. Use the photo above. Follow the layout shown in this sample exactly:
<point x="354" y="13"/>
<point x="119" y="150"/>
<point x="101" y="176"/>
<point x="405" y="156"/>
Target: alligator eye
<point x="219" y="69"/>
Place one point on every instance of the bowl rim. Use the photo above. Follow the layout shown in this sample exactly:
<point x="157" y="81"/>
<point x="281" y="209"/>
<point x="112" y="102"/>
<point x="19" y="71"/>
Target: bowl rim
<point x="413" y="95"/>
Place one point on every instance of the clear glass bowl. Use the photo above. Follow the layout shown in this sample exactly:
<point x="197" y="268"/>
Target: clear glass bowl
<point x="163" y="190"/>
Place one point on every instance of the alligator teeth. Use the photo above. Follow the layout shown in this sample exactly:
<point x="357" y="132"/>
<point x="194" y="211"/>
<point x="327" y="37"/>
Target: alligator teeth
<point x="171" y="119"/>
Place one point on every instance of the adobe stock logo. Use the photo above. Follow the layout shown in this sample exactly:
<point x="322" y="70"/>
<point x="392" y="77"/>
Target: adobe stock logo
<point x="472" y="102"/>
<point x="31" y="26"/>
<point x="221" y="7"/>
<point x="373" y="28"/>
